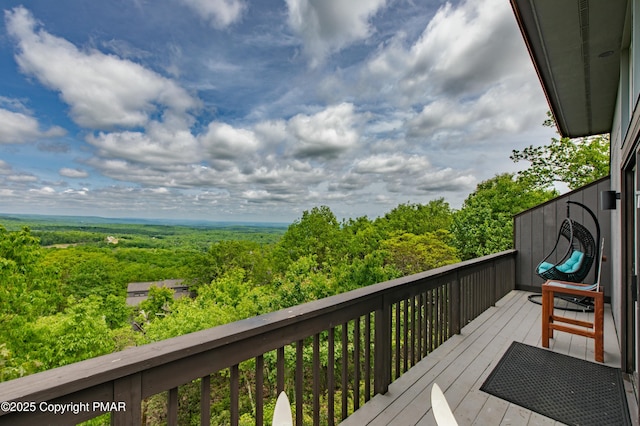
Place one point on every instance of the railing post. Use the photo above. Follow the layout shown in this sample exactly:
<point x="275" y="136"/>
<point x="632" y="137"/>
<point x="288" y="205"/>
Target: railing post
<point x="456" y="311"/>
<point x="128" y="390"/>
<point x="382" y="349"/>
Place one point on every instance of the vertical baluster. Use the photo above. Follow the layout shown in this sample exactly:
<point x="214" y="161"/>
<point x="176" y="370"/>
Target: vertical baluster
<point x="205" y="401"/>
<point x="397" y="340"/>
<point x="331" y="384"/>
<point x="484" y="278"/>
<point x="259" y="390"/>
<point x="474" y="294"/>
<point x="280" y="370"/>
<point x="443" y="314"/>
<point x="484" y="285"/>
<point x="172" y="411"/>
<point x="367" y="357"/>
<point x="235" y="395"/>
<point x="316" y="379"/>
<point x="345" y="371"/>
<point x="299" y="381"/>
<point x="465" y="299"/>
<point x="356" y="364"/>
<point x="446" y="305"/>
<point x="413" y="330"/>
<point x="430" y="320"/>
<point x="425" y="326"/>
<point x="480" y="284"/>
<point x="436" y="317"/>
<point x="437" y="312"/>
<point x="405" y="335"/>
<point x="419" y="327"/>
<point x="439" y="317"/>
<point x="450" y="310"/>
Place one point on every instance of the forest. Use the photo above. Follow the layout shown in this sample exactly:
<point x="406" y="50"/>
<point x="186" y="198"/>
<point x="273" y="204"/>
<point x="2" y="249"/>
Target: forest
<point x="63" y="283"/>
<point x="63" y="286"/>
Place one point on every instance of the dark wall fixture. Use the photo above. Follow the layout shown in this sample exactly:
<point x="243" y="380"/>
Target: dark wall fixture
<point x="608" y="199"/>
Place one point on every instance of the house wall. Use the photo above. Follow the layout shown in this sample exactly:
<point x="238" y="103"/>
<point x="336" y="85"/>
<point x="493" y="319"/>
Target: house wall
<point x="623" y="137"/>
<point x="615" y="222"/>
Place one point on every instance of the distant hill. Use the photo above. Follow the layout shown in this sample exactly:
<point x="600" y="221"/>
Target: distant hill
<point x="96" y="220"/>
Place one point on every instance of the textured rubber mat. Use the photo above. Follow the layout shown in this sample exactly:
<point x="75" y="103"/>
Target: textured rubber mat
<point x="564" y="388"/>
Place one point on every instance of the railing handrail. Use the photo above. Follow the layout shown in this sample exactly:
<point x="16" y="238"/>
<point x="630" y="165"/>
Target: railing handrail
<point x="57" y="382"/>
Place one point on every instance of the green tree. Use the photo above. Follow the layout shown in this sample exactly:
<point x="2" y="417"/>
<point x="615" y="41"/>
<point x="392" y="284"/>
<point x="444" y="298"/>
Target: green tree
<point x="411" y="253"/>
<point x="317" y="234"/>
<point x="228" y="298"/>
<point x="19" y="249"/>
<point x="27" y="288"/>
<point x="484" y="224"/>
<point x="226" y="255"/>
<point x="116" y="311"/>
<point x="575" y="162"/>
<point x="418" y="218"/>
<point x="78" y="333"/>
<point x="158" y="304"/>
<point x="359" y="238"/>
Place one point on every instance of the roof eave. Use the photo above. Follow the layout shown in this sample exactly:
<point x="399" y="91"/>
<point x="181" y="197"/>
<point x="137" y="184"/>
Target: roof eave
<point x="575" y="48"/>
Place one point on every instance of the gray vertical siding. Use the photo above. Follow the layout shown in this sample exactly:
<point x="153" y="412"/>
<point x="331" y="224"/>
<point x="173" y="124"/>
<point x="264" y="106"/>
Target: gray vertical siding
<point x="536" y="231"/>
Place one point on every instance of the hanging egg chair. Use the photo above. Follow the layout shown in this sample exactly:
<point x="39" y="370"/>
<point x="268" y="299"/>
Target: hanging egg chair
<point x="575" y="262"/>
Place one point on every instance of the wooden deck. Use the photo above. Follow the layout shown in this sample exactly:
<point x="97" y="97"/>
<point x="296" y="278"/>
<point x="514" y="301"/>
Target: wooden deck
<point x="461" y="365"/>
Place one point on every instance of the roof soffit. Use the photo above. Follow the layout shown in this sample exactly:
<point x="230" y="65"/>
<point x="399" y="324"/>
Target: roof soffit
<point x="575" y="46"/>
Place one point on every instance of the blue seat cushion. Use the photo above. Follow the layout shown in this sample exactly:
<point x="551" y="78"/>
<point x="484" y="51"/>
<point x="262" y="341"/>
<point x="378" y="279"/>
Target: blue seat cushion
<point x="571" y="265"/>
<point x="544" y="267"/>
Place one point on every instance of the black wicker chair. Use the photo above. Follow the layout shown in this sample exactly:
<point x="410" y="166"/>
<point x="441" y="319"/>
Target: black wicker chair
<point x="582" y="250"/>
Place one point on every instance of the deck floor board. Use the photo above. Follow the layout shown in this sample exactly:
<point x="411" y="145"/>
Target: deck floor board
<point x="462" y="364"/>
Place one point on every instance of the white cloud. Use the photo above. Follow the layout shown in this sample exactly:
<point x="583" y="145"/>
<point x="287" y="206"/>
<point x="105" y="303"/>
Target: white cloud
<point x="159" y="145"/>
<point x="327" y="26"/>
<point x="326" y="134"/>
<point x="15" y="105"/>
<point x="462" y="52"/>
<point x="45" y="190"/>
<point x="73" y="173"/>
<point x="82" y="192"/>
<point x="412" y="112"/>
<point x="219" y="13"/>
<point x="463" y="49"/>
<point x="223" y="141"/>
<point x="497" y="111"/>
<point x="415" y="174"/>
<point x="22" y="178"/>
<point x="103" y="91"/>
<point x="16" y="127"/>
<point x="389" y="164"/>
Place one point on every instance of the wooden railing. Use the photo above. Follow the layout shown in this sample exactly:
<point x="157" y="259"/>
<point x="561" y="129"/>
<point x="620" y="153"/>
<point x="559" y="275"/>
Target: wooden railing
<point x="330" y="355"/>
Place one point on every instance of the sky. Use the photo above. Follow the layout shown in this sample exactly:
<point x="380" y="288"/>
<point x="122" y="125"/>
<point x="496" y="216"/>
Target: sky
<point x="238" y="110"/>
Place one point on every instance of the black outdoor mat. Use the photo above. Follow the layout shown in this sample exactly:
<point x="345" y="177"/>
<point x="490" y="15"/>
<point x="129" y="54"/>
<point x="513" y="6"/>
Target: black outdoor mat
<point x="566" y="389"/>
